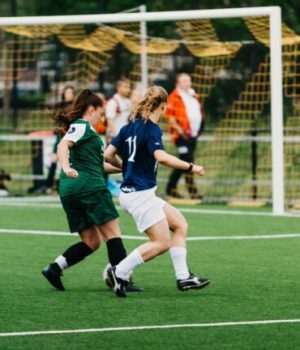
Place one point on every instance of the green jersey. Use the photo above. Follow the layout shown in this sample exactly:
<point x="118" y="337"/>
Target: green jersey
<point x="86" y="156"/>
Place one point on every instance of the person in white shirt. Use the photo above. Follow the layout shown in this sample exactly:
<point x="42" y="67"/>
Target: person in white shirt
<point x="185" y="122"/>
<point x="118" y="108"/>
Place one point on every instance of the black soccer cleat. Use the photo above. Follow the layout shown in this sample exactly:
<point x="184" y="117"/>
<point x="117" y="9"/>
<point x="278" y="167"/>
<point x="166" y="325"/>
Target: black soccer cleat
<point x="131" y="287"/>
<point x="192" y="282"/>
<point x="118" y="284"/>
<point x="54" y="277"/>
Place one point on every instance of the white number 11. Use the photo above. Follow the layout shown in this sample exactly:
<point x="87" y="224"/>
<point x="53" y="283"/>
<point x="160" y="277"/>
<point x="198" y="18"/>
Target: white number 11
<point x="132" y="148"/>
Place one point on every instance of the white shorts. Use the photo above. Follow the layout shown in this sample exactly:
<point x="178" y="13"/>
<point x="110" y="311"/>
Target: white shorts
<point x="144" y="206"/>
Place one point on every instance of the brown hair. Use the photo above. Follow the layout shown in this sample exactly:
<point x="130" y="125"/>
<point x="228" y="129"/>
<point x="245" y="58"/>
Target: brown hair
<point x="153" y="98"/>
<point x="65" y="117"/>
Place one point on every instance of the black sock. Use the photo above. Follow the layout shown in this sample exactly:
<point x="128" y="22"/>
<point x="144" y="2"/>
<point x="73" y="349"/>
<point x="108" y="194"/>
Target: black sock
<point x="76" y="253"/>
<point x="115" y="250"/>
<point x="56" y="267"/>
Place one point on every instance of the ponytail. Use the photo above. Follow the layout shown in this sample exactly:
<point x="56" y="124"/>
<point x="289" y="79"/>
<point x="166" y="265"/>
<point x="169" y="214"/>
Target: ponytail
<point x="65" y="117"/>
<point x="153" y="98"/>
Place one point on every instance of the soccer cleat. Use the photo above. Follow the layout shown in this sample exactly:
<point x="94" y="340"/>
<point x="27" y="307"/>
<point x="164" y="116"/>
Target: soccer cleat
<point x="131" y="287"/>
<point x="118" y="284"/>
<point x="192" y="282"/>
<point x="54" y="277"/>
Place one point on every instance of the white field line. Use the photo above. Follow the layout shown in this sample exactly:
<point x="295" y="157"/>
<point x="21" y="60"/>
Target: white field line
<point x="30" y="204"/>
<point x="143" y="238"/>
<point x="45" y="199"/>
<point x="154" y="327"/>
<point x="56" y="204"/>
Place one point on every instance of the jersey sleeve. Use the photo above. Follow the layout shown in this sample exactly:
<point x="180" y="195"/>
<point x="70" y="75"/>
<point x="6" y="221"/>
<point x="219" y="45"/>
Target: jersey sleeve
<point x="111" y="109"/>
<point x="154" y="141"/>
<point x="75" y="133"/>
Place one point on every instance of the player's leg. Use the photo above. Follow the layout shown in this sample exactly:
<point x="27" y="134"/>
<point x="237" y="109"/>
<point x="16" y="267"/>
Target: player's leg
<point x="111" y="234"/>
<point x="159" y="242"/>
<point x="177" y="223"/>
<point x="90" y="242"/>
<point x="104" y="213"/>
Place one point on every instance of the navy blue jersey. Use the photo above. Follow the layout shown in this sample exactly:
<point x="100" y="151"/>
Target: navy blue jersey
<point x="136" y="144"/>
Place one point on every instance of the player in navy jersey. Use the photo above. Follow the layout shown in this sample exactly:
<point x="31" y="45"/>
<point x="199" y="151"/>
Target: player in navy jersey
<point x="140" y="146"/>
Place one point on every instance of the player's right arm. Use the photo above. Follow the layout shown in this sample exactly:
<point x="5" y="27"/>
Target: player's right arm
<point x="173" y="162"/>
<point x="63" y="157"/>
<point x="110" y="156"/>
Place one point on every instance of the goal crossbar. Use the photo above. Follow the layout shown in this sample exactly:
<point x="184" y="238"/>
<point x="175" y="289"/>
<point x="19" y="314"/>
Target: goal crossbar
<point x="137" y="17"/>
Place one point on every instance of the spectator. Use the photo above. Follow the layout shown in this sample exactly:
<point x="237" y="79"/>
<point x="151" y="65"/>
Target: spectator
<point x="102" y="125"/>
<point x="118" y="108"/>
<point x="67" y="98"/>
<point x="185" y="123"/>
<point x="135" y="97"/>
<point x="101" y="128"/>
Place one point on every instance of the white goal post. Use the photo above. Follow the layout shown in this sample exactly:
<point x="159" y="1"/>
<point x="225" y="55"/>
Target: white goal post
<point x="274" y="14"/>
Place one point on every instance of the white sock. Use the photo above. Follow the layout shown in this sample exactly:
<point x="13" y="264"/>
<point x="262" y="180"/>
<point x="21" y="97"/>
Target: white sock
<point x="178" y="256"/>
<point x="61" y="262"/>
<point x="133" y="260"/>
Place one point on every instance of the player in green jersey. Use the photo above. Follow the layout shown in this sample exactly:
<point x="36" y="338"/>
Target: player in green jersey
<point x="83" y="192"/>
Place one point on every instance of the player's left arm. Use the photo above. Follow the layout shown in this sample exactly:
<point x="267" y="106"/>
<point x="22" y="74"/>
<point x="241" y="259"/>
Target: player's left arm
<point x="156" y="147"/>
<point x="173" y="162"/>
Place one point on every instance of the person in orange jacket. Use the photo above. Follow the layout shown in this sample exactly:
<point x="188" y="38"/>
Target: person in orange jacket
<point x="185" y="118"/>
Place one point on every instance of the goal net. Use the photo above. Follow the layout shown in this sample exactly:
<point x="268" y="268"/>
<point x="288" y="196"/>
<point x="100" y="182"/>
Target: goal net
<point x="229" y="60"/>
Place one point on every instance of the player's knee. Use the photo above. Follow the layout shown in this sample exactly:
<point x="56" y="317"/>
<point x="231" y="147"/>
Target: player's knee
<point x="182" y="227"/>
<point x="93" y="243"/>
<point x="165" y="244"/>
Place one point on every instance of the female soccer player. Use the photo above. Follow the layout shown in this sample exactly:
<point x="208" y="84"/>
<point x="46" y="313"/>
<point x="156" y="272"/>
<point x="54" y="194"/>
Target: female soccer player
<point x="82" y="189"/>
<point x="140" y="146"/>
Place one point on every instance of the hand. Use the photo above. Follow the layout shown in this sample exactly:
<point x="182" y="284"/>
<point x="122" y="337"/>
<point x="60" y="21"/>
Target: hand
<point x="185" y="135"/>
<point x="198" y="170"/>
<point x="180" y="130"/>
<point x="71" y="173"/>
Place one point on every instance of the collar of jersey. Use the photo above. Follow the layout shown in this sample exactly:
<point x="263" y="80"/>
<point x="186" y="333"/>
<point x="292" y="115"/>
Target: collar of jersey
<point x="87" y="123"/>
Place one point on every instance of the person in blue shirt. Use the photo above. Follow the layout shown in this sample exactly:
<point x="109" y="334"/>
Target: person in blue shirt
<point x="140" y="146"/>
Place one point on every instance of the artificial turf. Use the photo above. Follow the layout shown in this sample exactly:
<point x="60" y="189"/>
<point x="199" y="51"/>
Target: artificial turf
<point x="252" y="280"/>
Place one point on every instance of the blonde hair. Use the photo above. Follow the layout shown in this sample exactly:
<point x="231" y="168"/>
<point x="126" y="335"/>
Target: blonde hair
<point x="153" y="98"/>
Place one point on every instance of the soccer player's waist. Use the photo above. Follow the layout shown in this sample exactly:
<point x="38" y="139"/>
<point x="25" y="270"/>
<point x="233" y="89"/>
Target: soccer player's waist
<point x="129" y="188"/>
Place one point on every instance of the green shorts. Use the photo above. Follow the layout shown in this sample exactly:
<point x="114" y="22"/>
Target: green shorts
<point x="86" y="210"/>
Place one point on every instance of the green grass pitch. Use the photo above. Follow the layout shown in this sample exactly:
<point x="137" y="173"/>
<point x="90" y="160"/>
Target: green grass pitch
<point x="253" y="280"/>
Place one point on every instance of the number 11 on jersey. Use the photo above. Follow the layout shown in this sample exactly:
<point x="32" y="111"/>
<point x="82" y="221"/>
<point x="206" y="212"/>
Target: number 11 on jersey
<point x="132" y="148"/>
